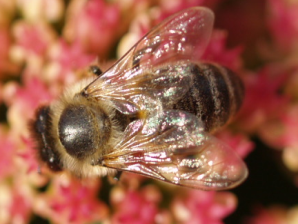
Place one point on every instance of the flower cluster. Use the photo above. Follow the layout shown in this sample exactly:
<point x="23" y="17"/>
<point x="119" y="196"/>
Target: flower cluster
<point x="46" y="45"/>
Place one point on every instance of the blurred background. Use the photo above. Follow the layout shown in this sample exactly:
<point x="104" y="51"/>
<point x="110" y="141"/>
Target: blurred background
<point x="46" y="45"/>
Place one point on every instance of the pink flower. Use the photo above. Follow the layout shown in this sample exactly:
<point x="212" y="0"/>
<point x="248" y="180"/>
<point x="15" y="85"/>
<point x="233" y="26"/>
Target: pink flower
<point x="134" y="207"/>
<point x="283" y="131"/>
<point x="32" y="39"/>
<point x="239" y="142"/>
<point x="7" y="152"/>
<point x="218" y="52"/>
<point x="29" y="155"/>
<point x="47" y="62"/>
<point x="31" y="95"/>
<point x="203" y="207"/>
<point x="65" y="59"/>
<point x="74" y="201"/>
<point x="245" y="25"/>
<point x="262" y="100"/>
<point x="94" y="25"/>
<point x="282" y="22"/>
<point x="15" y="205"/>
<point x="20" y="208"/>
<point x="23" y="101"/>
<point x="132" y="180"/>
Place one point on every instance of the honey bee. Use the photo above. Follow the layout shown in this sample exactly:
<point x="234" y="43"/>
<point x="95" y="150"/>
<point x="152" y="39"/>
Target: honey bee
<point x="151" y="113"/>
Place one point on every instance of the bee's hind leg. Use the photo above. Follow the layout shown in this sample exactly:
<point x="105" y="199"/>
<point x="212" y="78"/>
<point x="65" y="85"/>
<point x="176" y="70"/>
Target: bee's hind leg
<point x="115" y="178"/>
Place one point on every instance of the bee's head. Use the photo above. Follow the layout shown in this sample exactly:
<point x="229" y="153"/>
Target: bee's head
<point x="39" y="128"/>
<point x="74" y="133"/>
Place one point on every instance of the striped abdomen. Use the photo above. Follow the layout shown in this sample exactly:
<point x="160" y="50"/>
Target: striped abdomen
<point x="215" y="96"/>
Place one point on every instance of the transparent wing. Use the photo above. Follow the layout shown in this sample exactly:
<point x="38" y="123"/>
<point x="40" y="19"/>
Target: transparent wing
<point x="174" y="148"/>
<point x="154" y="67"/>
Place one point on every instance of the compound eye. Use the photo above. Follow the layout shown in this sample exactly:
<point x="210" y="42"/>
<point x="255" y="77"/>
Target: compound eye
<point x="77" y="132"/>
<point x="40" y="131"/>
<point x="51" y="158"/>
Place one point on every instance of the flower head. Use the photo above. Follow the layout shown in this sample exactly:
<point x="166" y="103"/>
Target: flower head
<point x="94" y="25"/>
<point x="203" y="207"/>
<point x="135" y="206"/>
<point x="72" y="201"/>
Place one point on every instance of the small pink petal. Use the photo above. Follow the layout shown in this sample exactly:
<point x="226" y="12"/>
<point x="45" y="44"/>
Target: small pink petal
<point x="94" y="25"/>
<point x="239" y="142"/>
<point x="203" y="207"/>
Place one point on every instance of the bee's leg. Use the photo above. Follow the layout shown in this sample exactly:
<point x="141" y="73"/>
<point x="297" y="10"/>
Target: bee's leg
<point x="116" y="178"/>
<point x="95" y="70"/>
<point x="118" y="175"/>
